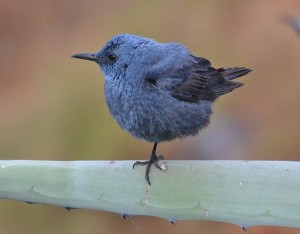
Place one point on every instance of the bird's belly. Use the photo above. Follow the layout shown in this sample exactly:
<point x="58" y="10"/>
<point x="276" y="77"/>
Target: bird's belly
<point x="159" y="118"/>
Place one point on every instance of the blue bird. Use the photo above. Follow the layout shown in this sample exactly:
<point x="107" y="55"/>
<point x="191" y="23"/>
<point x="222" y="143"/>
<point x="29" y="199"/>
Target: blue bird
<point x="160" y="91"/>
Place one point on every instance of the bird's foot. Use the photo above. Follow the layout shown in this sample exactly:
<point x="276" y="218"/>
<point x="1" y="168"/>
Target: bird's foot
<point x="154" y="159"/>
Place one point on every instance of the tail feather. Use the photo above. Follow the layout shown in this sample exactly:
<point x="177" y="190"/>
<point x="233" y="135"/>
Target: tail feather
<point x="227" y="85"/>
<point x="234" y="72"/>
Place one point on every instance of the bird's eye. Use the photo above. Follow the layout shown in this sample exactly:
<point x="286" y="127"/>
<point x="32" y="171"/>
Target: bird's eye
<point x="112" y="57"/>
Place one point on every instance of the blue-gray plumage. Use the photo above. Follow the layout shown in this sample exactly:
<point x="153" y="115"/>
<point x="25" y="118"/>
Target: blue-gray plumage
<point x="160" y="91"/>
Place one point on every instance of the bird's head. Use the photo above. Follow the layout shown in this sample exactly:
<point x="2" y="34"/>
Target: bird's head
<point x="116" y="55"/>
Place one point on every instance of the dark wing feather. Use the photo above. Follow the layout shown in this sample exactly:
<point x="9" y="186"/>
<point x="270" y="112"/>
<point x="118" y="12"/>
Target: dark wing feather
<point x="206" y="82"/>
<point x="198" y="80"/>
<point x="194" y="88"/>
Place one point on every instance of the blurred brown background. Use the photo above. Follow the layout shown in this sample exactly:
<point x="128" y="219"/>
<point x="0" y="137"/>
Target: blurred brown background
<point x="53" y="107"/>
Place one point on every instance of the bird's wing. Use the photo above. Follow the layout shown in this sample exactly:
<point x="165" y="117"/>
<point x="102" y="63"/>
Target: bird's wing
<point x="195" y="80"/>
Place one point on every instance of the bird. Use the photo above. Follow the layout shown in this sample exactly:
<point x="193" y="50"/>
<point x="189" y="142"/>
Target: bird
<point x="159" y="91"/>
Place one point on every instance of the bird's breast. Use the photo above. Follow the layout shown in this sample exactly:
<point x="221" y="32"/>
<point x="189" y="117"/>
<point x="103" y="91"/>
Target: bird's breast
<point x="154" y="115"/>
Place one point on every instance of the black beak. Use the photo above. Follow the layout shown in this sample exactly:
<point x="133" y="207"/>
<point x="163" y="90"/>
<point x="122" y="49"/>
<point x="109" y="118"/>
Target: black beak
<point x="87" y="56"/>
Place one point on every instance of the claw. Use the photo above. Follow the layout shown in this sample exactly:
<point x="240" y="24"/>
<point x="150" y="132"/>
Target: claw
<point x="154" y="159"/>
<point x="143" y="163"/>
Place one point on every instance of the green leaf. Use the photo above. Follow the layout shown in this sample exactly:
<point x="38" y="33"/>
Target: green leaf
<point x="245" y="193"/>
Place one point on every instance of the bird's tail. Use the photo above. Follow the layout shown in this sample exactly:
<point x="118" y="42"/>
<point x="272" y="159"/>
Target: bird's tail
<point x="234" y="72"/>
<point x="228" y="85"/>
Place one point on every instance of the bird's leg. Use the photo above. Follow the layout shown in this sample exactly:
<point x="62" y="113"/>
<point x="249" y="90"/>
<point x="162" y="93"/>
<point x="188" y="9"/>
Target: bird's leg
<point x="152" y="160"/>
